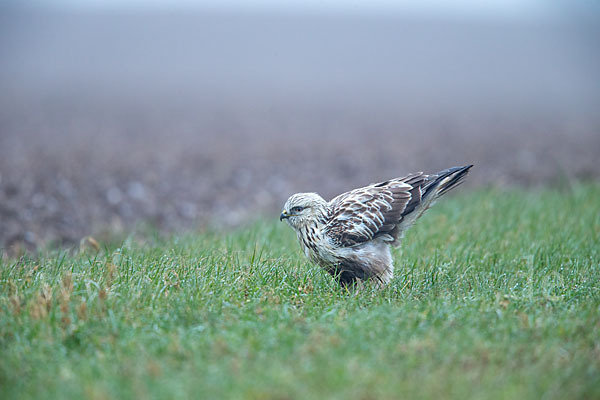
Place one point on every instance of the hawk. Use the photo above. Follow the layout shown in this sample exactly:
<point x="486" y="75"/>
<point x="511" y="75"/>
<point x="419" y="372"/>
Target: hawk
<point x="351" y="235"/>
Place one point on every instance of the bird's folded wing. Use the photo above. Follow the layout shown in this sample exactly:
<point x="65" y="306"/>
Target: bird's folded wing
<point x="362" y="214"/>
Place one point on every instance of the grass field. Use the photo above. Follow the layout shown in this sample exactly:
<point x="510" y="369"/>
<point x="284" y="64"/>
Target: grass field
<point x="496" y="296"/>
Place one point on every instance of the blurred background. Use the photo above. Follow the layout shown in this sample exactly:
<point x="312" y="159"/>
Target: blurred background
<point x="184" y="114"/>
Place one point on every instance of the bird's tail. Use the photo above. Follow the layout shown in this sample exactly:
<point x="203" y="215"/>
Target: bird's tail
<point x="440" y="183"/>
<point x="427" y="189"/>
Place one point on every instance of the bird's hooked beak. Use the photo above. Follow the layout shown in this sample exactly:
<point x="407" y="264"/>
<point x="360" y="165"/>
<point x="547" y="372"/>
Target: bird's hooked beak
<point x="284" y="215"/>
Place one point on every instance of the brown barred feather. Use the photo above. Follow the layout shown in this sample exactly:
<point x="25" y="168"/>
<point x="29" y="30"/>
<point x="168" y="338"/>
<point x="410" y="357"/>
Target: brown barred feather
<point x="363" y="214"/>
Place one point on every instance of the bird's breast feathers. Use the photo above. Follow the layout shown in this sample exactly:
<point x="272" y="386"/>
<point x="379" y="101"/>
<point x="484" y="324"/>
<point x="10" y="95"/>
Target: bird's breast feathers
<point x="323" y="249"/>
<point x="317" y="246"/>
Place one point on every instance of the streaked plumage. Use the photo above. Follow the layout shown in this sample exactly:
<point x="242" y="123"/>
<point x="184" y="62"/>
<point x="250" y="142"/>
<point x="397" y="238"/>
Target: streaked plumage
<point x="350" y="236"/>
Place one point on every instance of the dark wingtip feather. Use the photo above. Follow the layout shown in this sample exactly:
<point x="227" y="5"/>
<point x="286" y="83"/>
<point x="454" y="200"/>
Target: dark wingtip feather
<point x="436" y="182"/>
<point x="458" y="175"/>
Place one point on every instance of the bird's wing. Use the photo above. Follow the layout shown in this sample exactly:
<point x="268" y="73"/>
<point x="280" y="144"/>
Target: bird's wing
<point x="362" y="214"/>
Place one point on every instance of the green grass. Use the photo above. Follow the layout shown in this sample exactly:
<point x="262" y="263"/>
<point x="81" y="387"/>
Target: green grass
<point x="496" y="296"/>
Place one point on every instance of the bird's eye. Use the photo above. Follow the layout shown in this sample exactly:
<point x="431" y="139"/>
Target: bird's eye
<point x="297" y="209"/>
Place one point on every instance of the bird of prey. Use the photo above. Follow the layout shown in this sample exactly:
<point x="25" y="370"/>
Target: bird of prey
<point x="351" y="235"/>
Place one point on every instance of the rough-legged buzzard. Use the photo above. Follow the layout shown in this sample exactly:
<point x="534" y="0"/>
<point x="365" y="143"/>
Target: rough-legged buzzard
<point x="350" y="236"/>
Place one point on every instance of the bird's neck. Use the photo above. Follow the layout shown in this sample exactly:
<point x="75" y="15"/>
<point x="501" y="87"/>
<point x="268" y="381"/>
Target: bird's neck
<point x="312" y="238"/>
<point x="309" y="235"/>
<point x="312" y="225"/>
<point x="309" y="226"/>
<point x="310" y="229"/>
<point x="320" y="215"/>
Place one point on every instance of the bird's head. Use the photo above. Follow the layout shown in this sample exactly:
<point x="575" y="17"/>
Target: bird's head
<point x="301" y="208"/>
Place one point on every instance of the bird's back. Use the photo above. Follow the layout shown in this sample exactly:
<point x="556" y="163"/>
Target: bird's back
<point x="386" y="209"/>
